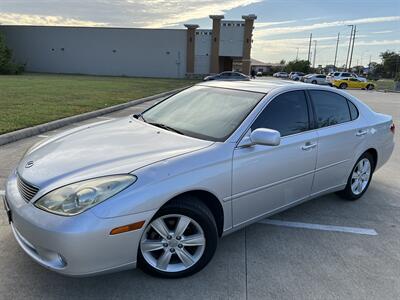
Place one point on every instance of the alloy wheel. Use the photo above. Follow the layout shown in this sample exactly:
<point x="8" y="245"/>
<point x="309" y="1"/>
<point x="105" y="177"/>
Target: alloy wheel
<point x="361" y="176"/>
<point x="173" y="243"/>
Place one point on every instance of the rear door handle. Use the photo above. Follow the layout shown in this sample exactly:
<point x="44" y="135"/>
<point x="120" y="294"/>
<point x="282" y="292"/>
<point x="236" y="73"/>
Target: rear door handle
<point x="308" y="146"/>
<point x="361" y="132"/>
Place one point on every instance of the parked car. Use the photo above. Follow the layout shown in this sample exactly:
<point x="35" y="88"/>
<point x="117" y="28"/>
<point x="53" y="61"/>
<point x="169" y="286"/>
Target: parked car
<point x="259" y="74"/>
<point x="228" y="76"/>
<point x="303" y="78"/>
<point x="352" y="83"/>
<point x="341" y="75"/>
<point x="316" y="79"/>
<point x="157" y="190"/>
<point x="296" y="76"/>
<point x="281" y="75"/>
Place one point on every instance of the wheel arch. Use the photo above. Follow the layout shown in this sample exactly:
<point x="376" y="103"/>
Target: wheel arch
<point x="374" y="154"/>
<point x="208" y="199"/>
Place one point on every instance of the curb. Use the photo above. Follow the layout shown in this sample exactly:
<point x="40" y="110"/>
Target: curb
<point x="35" y="130"/>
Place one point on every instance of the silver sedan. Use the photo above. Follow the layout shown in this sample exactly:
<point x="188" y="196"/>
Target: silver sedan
<point x="157" y="190"/>
<point x="316" y="79"/>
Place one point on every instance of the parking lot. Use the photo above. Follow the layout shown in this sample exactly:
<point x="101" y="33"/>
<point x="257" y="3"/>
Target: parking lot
<point x="262" y="261"/>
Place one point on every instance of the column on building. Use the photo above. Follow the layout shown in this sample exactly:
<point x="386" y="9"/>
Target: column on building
<point x="190" y="48"/>
<point x="216" y="29"/>
<point x="247" y="41"/>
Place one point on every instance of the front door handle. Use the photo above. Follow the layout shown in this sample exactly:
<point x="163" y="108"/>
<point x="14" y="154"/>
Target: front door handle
<point x="361" y="132"/>
<point x="308" y="146"/>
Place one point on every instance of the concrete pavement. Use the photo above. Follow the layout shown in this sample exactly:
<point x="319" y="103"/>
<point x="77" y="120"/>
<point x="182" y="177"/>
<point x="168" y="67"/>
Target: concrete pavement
<point x="259" y="262"/>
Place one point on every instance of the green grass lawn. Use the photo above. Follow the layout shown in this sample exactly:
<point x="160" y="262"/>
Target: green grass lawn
<point x="32" y="99"/>
<point x="384" y="84"/>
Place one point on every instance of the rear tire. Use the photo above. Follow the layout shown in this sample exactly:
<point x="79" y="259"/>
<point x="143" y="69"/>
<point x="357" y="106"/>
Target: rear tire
<point x="343" y="86"/>
<point x="185" y="257"/>
<point x="359" y="178"/>
<point x="370" y="87"/>
<point x="314" y="82"/>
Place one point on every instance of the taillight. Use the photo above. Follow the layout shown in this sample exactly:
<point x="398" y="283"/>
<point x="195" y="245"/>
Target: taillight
<point x="392" y="128"/>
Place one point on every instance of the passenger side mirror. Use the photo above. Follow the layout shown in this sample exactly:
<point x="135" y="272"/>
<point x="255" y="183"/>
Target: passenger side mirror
<point x="265" y="136"/>
<point x="261" y="136"/>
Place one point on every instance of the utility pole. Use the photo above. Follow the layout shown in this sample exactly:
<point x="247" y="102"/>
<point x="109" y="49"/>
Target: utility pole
<point x="297" y="54"/>
<point x="315" y="53"/>
<point x="309" y="49"/>
<point x="337" y="45"/>
<point x="352" y="47"/>
<point x="348" y="50"/>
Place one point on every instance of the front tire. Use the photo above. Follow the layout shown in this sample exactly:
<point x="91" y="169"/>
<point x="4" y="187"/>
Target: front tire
<point x="180" y="240"/>
<point x="370" y="87"/>
<point x="314" y="82"/>
<point x="343" y="86"/>
<point x="360" y="178"/>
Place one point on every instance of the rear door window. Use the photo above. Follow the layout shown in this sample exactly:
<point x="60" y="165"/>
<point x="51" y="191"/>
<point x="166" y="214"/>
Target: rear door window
<point x="330" y="108"/>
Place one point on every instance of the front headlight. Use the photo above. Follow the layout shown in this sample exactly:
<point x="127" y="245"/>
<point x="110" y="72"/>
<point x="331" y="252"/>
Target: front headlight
<point x="75" y="198"/>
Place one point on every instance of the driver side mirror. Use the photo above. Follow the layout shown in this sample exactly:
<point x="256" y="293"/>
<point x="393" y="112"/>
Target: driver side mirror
<point x="262" y="136"/>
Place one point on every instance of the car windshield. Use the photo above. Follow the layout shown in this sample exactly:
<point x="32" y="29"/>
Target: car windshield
<point x="208" y="113"/>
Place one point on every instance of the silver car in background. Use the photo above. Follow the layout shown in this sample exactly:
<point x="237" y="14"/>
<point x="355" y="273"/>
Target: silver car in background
<point x="157" y="190"/>
<point x="316" y="79"/>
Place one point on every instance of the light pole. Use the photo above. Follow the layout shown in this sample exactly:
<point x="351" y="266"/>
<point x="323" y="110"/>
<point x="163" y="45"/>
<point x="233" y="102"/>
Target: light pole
<point x="309" y="50"/>
<point x="315" y="53"/>
<point x="297" y="54"/>
<point x="352" y="47"/>
<point x="348" y="50"/>
<point x="337" y="45"/>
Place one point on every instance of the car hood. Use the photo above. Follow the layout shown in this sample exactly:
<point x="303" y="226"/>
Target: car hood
<point x="105" y="148"/>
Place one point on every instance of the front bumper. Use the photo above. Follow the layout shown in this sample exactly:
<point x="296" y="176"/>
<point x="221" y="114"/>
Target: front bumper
<point x="76" y="246"/>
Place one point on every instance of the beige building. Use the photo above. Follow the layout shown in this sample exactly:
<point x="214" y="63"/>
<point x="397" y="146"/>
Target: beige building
<point x="172" y="53"/>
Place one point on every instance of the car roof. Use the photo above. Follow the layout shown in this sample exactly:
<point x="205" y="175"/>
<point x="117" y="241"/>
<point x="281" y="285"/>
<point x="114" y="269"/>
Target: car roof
<point x="259" y="86"/>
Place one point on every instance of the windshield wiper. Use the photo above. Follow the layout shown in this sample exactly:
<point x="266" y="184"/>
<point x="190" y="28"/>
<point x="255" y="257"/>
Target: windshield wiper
<point x="139" y="116"/>
<point x="163" y="126"/>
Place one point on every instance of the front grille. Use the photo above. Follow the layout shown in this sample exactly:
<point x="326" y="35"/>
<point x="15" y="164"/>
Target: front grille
<point x="27" y="190"/>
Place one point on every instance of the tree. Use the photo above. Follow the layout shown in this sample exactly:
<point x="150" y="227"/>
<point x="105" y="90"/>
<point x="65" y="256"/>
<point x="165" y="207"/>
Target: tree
<point x="391" y="63"/>
<point x="299" y="66"/>
<point x="6" y="64"/>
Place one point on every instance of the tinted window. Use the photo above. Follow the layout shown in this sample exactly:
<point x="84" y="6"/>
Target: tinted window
<point x="321" y="76"/>
<point x="330" y="108"/>
<point x="287" y="113"/>
<point x="353" y="79"/>
<point x="353" y="110"/>
<point x="346" y="74"/>
<point x="336" y="74"/>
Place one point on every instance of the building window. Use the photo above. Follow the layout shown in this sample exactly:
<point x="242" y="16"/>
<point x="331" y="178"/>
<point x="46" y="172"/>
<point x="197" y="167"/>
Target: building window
<point x="52" y="49"/>
<point x="114" y="51"/>
<point x="62" y="49"/>
<point x="197" y="33"/>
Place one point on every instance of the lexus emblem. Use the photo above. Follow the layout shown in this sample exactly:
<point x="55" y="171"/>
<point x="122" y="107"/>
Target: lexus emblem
<point x="29" y="164"/>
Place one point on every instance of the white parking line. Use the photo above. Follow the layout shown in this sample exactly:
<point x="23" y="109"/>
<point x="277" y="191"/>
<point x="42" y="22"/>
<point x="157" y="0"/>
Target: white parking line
<point x="43" y="136"/>
<point x="355" y="230"/>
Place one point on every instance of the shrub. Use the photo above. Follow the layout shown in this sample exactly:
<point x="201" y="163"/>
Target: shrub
<point x="7" y="66"/>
